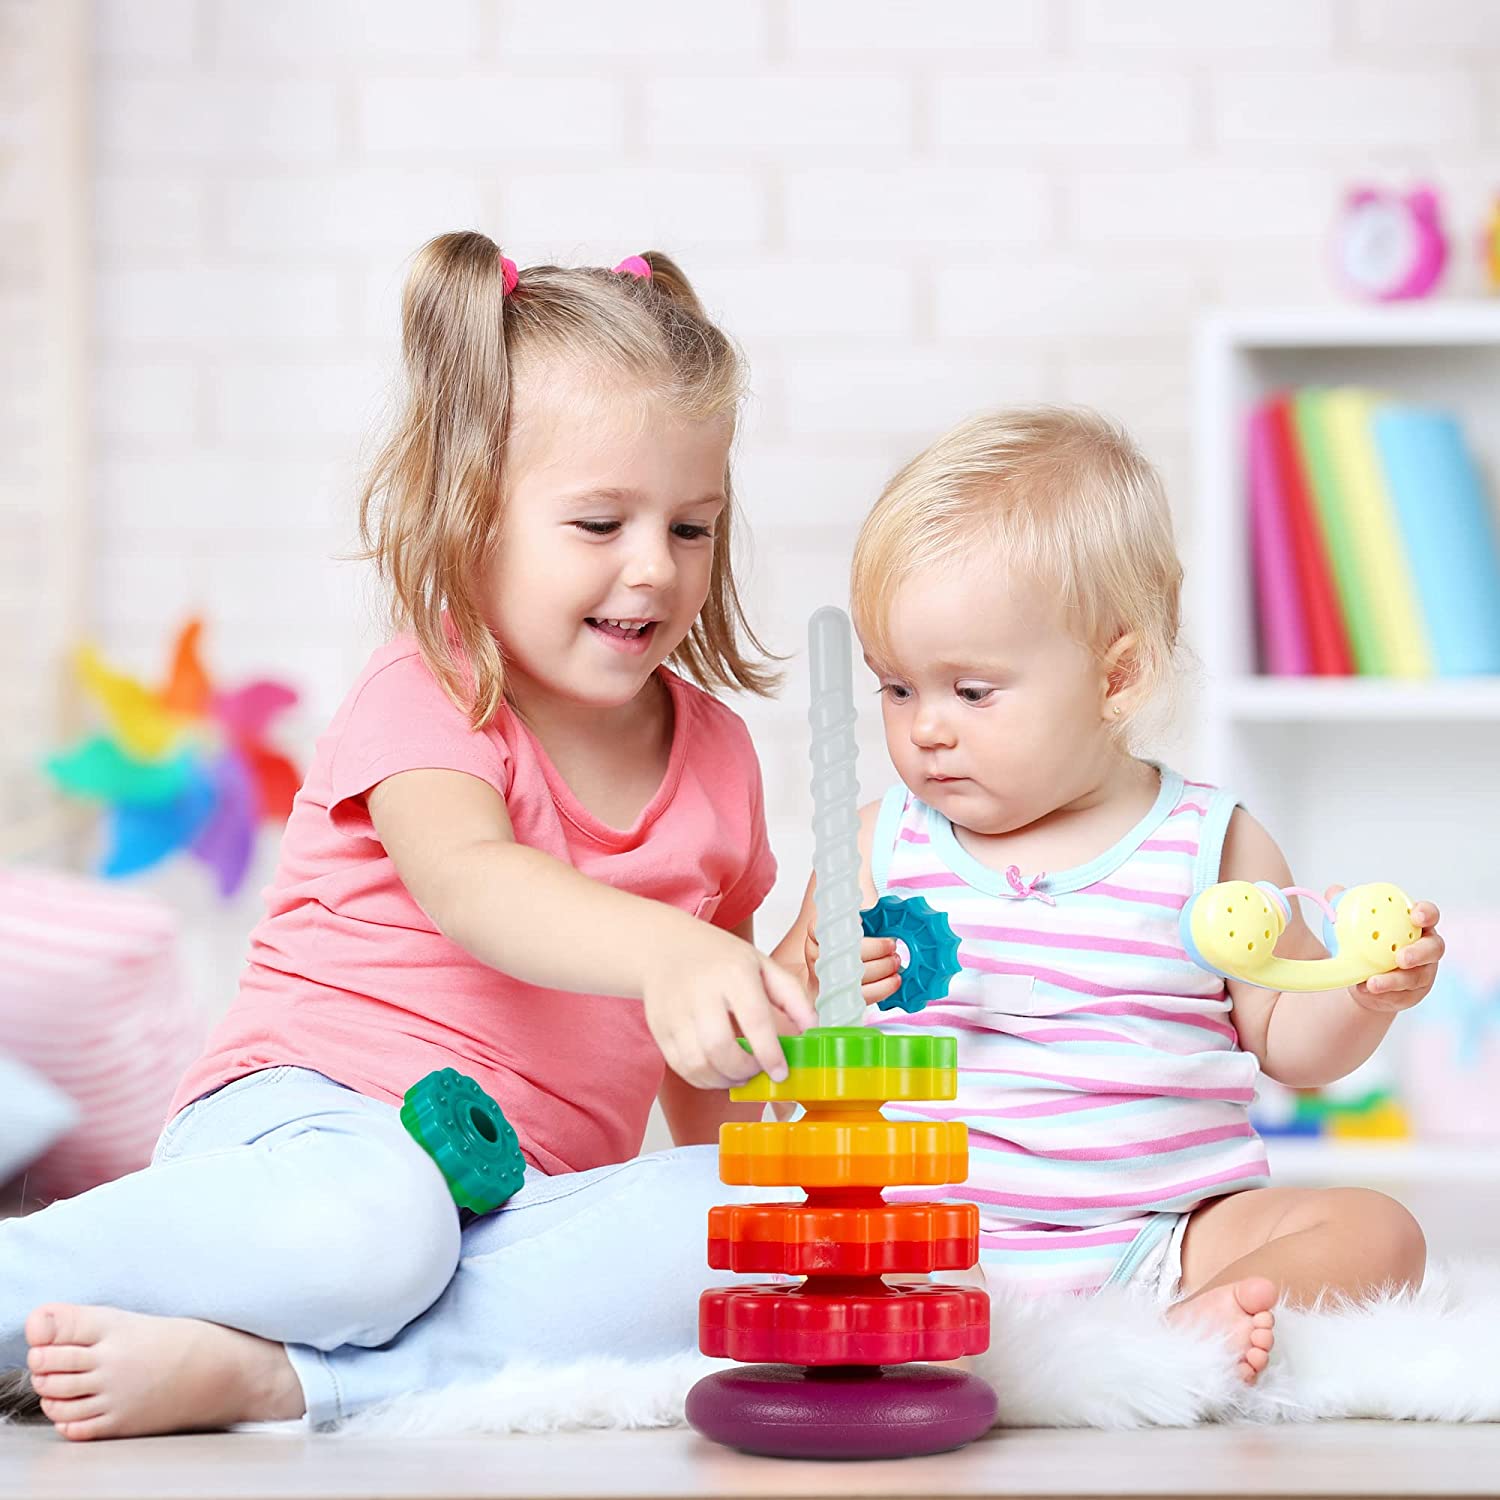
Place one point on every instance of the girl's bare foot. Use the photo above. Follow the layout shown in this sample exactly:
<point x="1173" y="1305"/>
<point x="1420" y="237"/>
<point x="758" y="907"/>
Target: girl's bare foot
<point x="103" y="1373"/>
<point x="1241" y="1312"/>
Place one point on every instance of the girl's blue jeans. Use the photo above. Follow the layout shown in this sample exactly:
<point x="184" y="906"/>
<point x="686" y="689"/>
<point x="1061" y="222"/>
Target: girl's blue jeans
<point x="298" y="1210"/>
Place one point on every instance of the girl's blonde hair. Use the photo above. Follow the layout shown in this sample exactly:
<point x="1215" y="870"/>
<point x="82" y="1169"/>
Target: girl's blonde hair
<point x="1061" y="493"/>
<point x="431" y="506"/>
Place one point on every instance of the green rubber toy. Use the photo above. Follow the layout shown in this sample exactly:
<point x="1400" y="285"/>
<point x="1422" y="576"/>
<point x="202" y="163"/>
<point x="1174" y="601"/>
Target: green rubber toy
<point x="462" y="1129"/>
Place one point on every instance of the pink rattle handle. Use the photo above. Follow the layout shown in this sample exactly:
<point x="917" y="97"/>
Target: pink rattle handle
<point x="1321" y="902"/>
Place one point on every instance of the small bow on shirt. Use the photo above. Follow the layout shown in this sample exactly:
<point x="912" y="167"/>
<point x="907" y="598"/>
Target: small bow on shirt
<point x="1025" y="888"/>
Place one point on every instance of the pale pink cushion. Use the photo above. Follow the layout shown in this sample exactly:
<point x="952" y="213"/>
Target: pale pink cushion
<point x="93" y="998"/>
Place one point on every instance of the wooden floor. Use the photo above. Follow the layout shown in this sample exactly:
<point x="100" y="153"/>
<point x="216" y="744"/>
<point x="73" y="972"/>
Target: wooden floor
<point x="1336" y="1458"/>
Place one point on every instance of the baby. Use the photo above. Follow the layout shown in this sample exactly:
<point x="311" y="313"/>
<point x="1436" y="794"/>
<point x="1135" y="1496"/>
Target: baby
<point x="1016" y="592"/>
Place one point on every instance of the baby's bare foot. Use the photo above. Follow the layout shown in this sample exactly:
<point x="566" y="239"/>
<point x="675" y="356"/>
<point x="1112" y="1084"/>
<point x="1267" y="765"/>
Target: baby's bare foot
<point x="103" y="1373"/>
<point x="1241" y="1312"/>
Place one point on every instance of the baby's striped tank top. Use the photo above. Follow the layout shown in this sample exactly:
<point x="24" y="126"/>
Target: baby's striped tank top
<point x="1100" y="1076"/>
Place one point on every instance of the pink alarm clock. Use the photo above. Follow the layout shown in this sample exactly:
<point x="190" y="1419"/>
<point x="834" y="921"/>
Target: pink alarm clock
<point x="1390" y="246"/>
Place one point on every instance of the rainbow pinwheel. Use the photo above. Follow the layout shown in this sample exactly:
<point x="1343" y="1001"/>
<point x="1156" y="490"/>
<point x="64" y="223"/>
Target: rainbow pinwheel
<point x="185" y="767"/>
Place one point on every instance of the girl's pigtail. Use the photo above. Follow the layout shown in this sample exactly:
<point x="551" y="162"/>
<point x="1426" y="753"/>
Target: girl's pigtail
<point x="668" y="278"/>
<point x="429" y="509"/>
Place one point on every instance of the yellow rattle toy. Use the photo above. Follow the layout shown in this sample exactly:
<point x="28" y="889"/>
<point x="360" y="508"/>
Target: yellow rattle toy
<point x="1232" y="928"/>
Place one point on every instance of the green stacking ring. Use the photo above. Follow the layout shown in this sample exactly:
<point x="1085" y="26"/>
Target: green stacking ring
<point x="865" y="1047"/>
<point x="461" y="1128"/>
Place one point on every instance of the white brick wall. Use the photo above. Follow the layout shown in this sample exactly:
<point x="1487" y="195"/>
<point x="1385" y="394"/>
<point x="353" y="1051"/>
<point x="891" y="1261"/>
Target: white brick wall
<point x="1405" y="108"/>
<point x="217" y="120"/>
<point x="488" y="118"/>
<point x="145" y="216"/>
<point x="1441" y="28"/>
<point x="1188" y="29"/>
<point x="1018" y="297"/>
<point x="908" y="28"/>
<point x="1048" y="109"/>
<point x="779" y="115"/>
<point x="375" y="214"/>
<point x="129" y="32"/>
<point x="666" y="31"/>
<point x="202" y="306"/>
<point x="905" y="211"/>
<point x="328" y="33"/>
<point x="632" y="207"/>
<point x="933" y="204"/>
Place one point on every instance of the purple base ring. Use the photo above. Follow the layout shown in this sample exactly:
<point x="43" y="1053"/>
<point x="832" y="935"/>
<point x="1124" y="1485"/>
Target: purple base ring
<point x="842" y="1411"/>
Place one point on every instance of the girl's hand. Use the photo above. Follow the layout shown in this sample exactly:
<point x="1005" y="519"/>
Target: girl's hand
<point x="698" y="991"/>
<point x="882" y="967"/>
<point x="1403" y="987"/>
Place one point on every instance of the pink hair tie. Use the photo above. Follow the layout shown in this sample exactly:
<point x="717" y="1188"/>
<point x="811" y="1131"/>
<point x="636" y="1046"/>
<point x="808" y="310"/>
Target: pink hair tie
<point x="509" y="276"/>
<point x="634" y="265"/>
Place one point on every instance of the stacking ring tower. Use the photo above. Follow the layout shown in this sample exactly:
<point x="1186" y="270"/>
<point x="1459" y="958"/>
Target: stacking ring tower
<point x="843" y="1350"/>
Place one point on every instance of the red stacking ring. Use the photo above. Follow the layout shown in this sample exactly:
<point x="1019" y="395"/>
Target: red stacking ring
<point x="850" y="1324"/>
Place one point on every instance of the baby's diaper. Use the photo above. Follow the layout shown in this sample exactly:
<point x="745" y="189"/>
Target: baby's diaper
<point x="1159" y="1275"/>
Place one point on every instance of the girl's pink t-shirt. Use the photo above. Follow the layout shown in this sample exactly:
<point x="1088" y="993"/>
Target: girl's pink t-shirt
<point x="348" y="976"/>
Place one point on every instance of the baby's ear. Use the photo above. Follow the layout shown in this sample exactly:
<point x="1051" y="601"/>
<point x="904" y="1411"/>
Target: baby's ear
<point x="1120" y="671"/>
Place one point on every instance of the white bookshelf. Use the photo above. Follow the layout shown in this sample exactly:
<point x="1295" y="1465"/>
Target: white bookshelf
<point x="1357" y="778"/>
<point x="1318" y="759"/>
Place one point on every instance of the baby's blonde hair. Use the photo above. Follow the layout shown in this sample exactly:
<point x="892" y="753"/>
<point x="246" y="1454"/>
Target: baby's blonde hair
<point x="1061" y="493"/>
<point x="431" y="506"/>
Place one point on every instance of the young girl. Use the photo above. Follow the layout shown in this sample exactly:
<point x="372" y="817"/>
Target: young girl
<point x="1016" y="592"/>
<point x="526" y="849"/>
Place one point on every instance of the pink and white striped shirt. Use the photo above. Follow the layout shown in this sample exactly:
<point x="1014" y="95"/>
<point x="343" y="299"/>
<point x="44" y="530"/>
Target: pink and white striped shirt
<point x="1100" y="1076"/>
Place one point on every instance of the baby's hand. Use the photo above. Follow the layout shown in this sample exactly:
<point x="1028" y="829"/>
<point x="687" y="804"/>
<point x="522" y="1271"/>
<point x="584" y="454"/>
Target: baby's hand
<point x="1403" y="987"/>
<point x="695" y="991"/>
<point x="882" y="967"/>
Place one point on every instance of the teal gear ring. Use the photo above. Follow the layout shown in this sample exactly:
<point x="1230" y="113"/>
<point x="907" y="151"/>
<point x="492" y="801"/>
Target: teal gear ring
<point x="932" y="949"/>
<point x="462" y="1129"/>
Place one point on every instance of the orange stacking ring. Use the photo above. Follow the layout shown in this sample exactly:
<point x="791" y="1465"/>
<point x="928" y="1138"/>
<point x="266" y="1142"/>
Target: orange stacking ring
<point x="866" y="1238"/>
<point x="864" y="1150"/>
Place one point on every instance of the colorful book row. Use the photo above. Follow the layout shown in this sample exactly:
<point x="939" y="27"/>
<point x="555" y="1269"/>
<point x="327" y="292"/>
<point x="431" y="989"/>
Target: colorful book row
<point x="1372" y="537"/>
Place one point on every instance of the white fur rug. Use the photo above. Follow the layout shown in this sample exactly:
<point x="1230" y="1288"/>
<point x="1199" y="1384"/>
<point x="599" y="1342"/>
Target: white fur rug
<point x="1065" y="1362"/>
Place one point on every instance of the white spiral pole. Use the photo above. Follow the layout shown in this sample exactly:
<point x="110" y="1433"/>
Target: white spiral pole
<point x="835" y="792"/>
